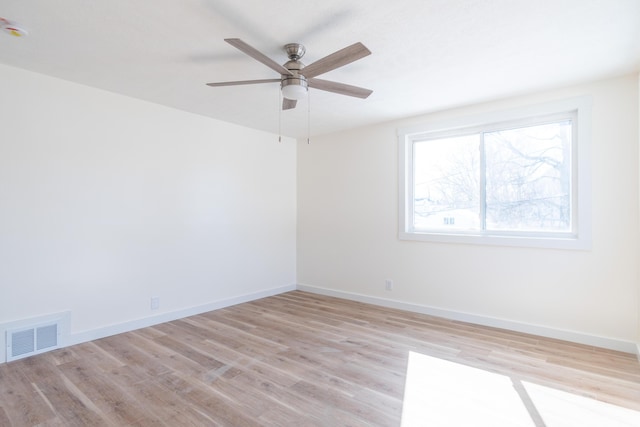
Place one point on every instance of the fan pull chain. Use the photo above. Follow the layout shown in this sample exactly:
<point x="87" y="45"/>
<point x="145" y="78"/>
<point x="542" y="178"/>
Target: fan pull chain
<point x="308" y="117"/>
<point x="279" y="114"/>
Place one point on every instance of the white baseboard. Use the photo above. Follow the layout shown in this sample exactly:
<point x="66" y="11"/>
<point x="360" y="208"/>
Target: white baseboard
<point x="68" y="339"/>
<point x="89" y="335"/>
<point x="576" y="337"/>
<point x="94" y="334"/>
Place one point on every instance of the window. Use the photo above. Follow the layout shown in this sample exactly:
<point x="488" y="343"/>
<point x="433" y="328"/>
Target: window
<point x="514" y="178"/>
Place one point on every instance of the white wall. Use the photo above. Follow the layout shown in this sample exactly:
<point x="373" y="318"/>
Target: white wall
<point x="348" y="227"/>
<point x="106" y="201"/>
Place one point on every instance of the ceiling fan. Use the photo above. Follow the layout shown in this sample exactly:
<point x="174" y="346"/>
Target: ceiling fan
<point x="296" y="78"/>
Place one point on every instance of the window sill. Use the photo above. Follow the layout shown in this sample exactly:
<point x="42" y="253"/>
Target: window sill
<point x="546" y="242"/>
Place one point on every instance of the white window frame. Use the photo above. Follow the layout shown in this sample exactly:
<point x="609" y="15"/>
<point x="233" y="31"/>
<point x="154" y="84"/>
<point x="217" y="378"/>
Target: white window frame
<point x="580" y="236"/>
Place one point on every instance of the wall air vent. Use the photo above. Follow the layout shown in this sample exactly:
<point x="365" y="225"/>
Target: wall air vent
<point x="31" y="340"/>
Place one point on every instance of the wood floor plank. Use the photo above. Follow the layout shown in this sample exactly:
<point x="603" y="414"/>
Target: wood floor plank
<point x="21" y="402"/>
<point x="294" y="359"/>
<point x="120" y="405"/>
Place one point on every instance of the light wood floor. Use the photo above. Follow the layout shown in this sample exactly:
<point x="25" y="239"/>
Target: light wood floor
<point x="295" y="359"/>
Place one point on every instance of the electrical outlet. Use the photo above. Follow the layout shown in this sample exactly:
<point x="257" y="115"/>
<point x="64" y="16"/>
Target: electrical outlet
<point x="388" y="285"/>
<point x="155" y="303"/>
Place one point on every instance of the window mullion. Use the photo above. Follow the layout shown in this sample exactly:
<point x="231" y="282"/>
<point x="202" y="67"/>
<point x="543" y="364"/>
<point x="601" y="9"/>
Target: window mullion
<point x="483" y="184"/>
<point x="411" y="188"/>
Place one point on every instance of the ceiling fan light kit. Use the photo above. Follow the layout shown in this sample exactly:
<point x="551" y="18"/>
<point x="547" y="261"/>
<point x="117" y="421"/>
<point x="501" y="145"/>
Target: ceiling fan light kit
<point x="294" y="88"/>
<point x="296" y="78"/>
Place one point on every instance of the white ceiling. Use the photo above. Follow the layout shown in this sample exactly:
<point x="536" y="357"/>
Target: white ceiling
<point x="427" y="55"/>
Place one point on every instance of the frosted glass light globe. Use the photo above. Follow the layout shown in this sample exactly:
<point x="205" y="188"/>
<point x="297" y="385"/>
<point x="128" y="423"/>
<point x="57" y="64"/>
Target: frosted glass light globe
<point x="294" y="91"/>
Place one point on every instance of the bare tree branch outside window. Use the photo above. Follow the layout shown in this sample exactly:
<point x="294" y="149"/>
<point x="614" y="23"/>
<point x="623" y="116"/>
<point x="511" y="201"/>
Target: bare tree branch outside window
<point x="526" y="176"/>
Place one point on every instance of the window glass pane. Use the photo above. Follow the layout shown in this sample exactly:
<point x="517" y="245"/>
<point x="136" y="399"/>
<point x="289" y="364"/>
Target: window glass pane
<point x="446" y="183"/>
<point x="528" y="178"/>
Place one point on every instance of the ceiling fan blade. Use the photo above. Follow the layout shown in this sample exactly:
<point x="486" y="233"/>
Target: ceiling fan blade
<point x="341" y="88"/>
<point x="243" y="82"/>
<point x="258" y="56"/>
<point x="337" y="59"/>
<point x="288" y="104"/>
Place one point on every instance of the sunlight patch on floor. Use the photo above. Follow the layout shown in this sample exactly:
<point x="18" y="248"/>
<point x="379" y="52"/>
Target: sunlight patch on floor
<point x="443" y="393"/>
